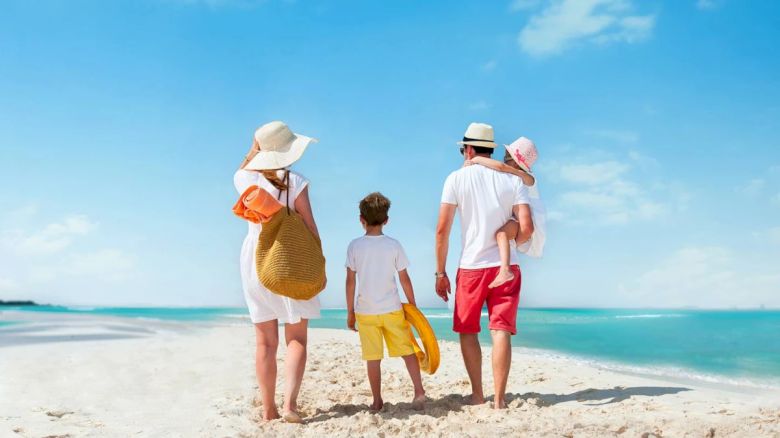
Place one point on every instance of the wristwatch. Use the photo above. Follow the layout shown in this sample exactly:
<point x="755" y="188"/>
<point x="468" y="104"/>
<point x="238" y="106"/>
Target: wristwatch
<point x="440" y="274"/>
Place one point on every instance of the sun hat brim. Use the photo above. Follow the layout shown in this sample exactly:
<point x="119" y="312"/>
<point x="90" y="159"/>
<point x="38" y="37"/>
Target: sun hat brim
<point x="519" y="163"/>
<point x="480" y="143"/>
<point x="270" y="160"/>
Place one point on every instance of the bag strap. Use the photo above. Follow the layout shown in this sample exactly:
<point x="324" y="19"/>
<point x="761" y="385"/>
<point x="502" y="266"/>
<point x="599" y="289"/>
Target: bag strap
<point x="286" y="182"/>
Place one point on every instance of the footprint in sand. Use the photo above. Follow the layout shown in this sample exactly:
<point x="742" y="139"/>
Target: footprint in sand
<point x="58" y="413"/>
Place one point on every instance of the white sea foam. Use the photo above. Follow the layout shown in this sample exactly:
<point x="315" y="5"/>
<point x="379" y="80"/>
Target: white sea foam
<point x="652" y="315"/>
<point x="660" y="371"/>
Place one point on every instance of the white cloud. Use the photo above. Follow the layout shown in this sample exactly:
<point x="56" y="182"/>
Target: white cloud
<point x="565" y="23"/>
<point x="617" y="135"/>
<point x="593" y="173"/>
<point x="53" y="238"/>
<point x="752" y="188"/>
<point x="490" y="65"/>
<point x="707" y="4"/>
<point x="709" y="276"/>
<point x="480" y="105"/>
<point x="609" y="192"/>
<point x="61" y="257"/>
<point x="773" y="234"/>
<point x="522" y="5"/>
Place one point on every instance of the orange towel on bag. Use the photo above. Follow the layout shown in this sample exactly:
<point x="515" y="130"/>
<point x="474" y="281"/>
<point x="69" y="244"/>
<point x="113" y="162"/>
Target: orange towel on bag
<point x="256" y="205"/>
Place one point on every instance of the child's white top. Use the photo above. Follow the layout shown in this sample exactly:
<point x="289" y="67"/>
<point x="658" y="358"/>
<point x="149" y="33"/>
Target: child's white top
<point x="535" y="245"/>
<point x="376" y="260"/>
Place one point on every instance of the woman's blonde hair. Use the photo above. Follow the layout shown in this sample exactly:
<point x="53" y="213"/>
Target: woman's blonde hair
<point x="272" y="176"/>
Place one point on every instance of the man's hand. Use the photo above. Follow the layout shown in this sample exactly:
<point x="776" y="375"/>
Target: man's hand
<point x="351" y="320"/>
<point x="443" y="288"/>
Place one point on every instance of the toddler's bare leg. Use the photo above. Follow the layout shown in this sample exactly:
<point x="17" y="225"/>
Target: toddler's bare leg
<point x="503" y="236"/>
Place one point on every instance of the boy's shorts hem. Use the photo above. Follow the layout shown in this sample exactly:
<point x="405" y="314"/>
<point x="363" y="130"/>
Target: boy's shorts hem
<point x="388" y="328"/>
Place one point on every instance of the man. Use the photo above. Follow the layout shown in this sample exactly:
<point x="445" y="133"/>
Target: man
<point x="486" y="200"/>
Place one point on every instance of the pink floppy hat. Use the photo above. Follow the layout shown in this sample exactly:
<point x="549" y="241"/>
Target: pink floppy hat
<point x="524" y="152"/>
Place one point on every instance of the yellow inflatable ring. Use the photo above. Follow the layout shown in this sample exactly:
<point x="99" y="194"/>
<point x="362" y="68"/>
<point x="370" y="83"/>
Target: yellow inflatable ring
<point x="429" y="359"/>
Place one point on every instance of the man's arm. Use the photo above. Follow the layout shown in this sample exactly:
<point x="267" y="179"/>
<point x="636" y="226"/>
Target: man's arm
<point x="406" y="284"/>
<point x="443" y="228"/>
<point x="523" y="215"/>
<point x="350" y="299"/>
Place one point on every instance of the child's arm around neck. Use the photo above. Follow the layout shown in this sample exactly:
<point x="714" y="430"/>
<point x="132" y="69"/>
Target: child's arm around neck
<point x="490" y="163"/>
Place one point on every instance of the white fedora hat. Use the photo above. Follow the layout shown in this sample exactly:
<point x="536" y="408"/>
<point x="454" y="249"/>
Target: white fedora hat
<point x="279" y="147"/>
<point x="479" y="134"/>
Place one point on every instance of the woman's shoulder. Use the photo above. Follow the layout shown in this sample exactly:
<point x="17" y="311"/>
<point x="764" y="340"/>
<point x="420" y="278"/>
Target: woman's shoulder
<point x="242" y="179"/>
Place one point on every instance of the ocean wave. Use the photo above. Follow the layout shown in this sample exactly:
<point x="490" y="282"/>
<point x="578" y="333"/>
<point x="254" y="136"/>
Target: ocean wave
<point x="652" y="315"/>
<point x="659" y="371"/>
<point x="81" y="308"/>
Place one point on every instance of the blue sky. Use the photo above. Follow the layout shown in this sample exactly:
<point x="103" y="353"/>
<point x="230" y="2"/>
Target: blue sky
<point x="121" y="124"/>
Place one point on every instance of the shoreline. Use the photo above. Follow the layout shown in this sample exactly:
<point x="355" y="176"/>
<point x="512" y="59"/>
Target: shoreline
<point x="679" y="375"/>
<point x="183" y="379"/>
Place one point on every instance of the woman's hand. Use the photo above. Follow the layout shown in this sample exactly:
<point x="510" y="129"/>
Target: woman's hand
<point x="351" y="320"/>
<point x="253" y="150"/>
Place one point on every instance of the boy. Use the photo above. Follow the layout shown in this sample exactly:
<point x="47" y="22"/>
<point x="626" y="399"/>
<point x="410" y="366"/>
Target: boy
<point x="374" y="259"/>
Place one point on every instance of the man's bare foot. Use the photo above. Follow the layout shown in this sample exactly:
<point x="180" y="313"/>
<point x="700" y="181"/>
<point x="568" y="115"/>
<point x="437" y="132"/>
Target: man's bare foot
<point x="503" y="276"/>
<point x="418" y="404"/>
<point x="292" y="417"/>
<point x="376" y="406"/>
<point x="476" y="400"/>
<point x="499" y="404"/>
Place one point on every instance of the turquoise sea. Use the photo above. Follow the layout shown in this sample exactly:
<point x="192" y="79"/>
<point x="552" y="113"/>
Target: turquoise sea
<point x="729" y="346"/>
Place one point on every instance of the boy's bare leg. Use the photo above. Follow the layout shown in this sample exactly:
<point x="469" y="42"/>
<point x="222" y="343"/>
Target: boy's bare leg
<point x="472" y="358"/>
<point x="413" y="366"/>
<point x="374" y="368"/>
<point x="502" y="360"/>
<point x="503" y="236"/>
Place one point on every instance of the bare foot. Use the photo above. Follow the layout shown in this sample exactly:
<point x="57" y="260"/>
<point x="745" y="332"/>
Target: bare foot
<point x="376" y="406"/>
<point x="292" y="417"/>
<point x="270" y="414"/>
<point x="503" y="276"/>
<point x="418" y="404"/>
<point x="476" y="400"/>
<point x="500" y="404"/>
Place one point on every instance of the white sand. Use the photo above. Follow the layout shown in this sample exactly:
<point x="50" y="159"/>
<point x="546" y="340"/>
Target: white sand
<point x="113" y="377"/>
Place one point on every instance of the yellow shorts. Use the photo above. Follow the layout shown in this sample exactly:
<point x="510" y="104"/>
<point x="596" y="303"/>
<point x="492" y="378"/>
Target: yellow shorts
<point x="390" y="326"/>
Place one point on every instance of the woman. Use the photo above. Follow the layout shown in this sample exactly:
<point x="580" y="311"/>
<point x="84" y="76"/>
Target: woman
<point x="274" y="149"/>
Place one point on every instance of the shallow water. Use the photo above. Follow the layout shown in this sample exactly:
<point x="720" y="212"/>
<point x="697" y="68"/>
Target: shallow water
<point x="732" y="344"/>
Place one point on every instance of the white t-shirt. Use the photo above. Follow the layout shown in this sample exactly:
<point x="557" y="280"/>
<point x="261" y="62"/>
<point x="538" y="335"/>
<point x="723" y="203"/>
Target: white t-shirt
<point x="485" y="199"/>
<point x="376" y="260"/>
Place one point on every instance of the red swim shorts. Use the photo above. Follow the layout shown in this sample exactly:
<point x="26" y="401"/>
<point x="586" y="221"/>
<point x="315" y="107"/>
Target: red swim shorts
<point x="472" y="292"/>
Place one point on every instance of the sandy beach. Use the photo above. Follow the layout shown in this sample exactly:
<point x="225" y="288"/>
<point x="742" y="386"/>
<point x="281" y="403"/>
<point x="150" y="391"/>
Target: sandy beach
<point x="106" y="377"/>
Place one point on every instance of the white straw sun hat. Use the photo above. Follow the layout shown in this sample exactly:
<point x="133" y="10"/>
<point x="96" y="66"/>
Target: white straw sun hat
<point x="479" y="134"/>
<point x="279" y="147"/>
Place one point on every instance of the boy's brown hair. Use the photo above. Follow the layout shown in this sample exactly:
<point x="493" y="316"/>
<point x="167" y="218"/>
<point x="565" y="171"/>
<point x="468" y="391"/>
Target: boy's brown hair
<point x="374" y="208"/>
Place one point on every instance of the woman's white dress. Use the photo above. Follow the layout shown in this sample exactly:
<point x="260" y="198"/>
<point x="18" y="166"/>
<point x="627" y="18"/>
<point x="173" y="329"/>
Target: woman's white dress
<point x="263" y="304"/>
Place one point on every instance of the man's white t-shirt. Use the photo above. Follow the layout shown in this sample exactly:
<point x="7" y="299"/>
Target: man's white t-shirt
<point x="376" y="260"/>
<point x="485" y="199"/>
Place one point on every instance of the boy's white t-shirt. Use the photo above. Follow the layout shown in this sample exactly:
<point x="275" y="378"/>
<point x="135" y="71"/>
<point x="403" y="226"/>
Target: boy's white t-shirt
<point x="485" y="198"/>
<point x="376" y="260"/>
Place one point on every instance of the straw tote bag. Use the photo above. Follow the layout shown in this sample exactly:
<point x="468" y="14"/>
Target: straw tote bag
<point x="289" y="257"/>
